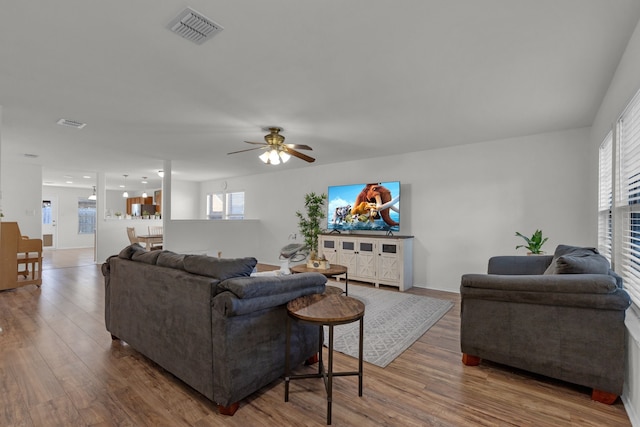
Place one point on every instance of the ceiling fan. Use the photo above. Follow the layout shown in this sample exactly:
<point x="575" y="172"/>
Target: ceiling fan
<point x="276" y="149"/>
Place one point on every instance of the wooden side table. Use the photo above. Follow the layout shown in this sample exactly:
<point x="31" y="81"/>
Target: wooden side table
<point x="334" y="270"/>
<point x="329" y="310"/>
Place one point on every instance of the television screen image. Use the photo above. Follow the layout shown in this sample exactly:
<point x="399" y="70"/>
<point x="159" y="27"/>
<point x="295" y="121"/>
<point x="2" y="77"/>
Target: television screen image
<point x="373" y="207"/>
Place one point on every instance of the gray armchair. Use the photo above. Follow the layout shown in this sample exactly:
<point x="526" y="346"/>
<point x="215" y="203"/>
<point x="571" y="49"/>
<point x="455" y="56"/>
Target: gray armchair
<point x="561" y="316"/>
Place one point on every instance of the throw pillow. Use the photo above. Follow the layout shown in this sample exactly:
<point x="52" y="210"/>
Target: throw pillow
<point x="127" y="253"/>
<point x="219" y="268"/>
<point x="170" y="259"/>
<point x="577" y="260"/>
<point x="150" y="257"/>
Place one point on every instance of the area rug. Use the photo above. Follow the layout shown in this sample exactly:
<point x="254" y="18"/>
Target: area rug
<point x="392" y="322"/>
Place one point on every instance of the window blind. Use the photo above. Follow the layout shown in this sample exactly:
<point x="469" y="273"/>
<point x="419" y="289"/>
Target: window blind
<point x="628" y="198"/>
<point x="605" y="225"/>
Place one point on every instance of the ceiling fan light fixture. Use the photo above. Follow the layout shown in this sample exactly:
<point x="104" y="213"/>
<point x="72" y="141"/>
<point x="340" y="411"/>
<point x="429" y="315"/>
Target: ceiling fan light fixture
<point x="274" y="159"/>
<point x="264" y="157"/>
<point x="284" y="156"/>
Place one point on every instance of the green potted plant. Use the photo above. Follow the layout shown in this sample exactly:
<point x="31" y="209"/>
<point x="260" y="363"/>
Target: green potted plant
<point x="310" y="223"/>
<point x="534" y="243"/>
<point x="118" y="215"/>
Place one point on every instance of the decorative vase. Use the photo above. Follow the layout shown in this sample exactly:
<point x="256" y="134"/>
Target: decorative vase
<point x="320" y="264"/>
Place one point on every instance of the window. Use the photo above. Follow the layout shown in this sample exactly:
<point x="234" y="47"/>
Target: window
<point x="86" y="216"/>
<point x="225" y="205"/>
<point x="619" y="223"/>
<point x="605" y="199"/>
<point x="46" y="212"/>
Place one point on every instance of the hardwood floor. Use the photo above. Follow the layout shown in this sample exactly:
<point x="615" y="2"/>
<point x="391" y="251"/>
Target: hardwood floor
<point x="59" y="367"/>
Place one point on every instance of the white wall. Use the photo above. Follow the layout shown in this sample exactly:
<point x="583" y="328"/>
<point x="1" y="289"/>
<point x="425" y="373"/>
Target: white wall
<point x="185" y="200"/>
<point x="233" y="239"/>
<point x="114" y="202"/>
<point x="462" y="204"/>
<point x="22" y="196"/>
<point x="624" y="86"/>
<point x="112" y="234"/>
<point x="67" y="224"/>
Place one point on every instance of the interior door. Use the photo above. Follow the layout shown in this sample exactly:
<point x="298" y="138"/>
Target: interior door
<point x="49" y="223"/>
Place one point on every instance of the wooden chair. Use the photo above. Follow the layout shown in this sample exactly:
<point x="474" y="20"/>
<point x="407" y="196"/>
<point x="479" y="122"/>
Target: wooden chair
<point x="155" y="230"/>
<point x="131" y="232"/>
<point x="20" y="258"/>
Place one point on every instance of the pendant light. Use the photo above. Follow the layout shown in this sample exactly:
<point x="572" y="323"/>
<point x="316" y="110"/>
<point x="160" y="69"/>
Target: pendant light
<point x="125" y="194"/>
<point x="144" y="192"/>
<point x="93" y="195"/>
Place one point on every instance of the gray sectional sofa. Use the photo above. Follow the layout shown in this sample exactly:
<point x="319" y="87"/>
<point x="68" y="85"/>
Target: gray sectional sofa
<point x="206" y="320"/>
<point x="561" y="316"/>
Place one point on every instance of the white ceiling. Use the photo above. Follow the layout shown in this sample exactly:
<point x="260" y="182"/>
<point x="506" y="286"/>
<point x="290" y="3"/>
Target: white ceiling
<point x="353" y="79"/>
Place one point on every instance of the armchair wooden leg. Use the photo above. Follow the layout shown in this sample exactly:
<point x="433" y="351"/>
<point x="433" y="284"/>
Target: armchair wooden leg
<point x="470" y="360"/>
<point x="603" y="397"/>
<point x="312" y="360"/>
<point x="229" y="410"/>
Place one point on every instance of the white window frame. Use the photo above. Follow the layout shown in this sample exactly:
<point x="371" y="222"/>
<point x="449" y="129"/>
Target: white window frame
<point x="225" y="205"/>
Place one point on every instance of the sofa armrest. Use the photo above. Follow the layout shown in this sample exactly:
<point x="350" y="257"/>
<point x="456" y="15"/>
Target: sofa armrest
<point x="511" y="264"/>
<point x="597" y="291"/>
<point x="242" y="295"/>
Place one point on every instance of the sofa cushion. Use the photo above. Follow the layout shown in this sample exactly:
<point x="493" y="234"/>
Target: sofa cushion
<point x="171" y="260"/>
<point x="267" y="286"/>
<point x="129" y="251"/>
<point x="148" y="257"/>
<point x="577" y="260"/>
<point x="219" y="268"/>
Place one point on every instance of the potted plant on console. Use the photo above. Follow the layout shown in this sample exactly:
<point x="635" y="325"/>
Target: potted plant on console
<point x="309" y="225"/>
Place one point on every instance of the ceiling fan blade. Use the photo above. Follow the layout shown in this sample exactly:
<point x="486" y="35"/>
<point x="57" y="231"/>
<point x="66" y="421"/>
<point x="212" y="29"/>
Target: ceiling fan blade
<point x="257" y="143"/>
<point x="299" y="146"/>
<point x="248" y="149"/>
<point x="300" y="155"/>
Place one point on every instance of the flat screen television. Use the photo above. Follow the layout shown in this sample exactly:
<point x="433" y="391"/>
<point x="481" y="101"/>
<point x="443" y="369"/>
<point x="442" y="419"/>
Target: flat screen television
<point x="370" y="207"/>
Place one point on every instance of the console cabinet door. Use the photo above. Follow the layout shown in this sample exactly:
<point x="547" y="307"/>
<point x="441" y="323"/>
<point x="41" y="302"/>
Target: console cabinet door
<point x="389" y="263"/>
<point x="366" y="259"/>
<point x="328" y="246"/>
<point x="347" y="255"/>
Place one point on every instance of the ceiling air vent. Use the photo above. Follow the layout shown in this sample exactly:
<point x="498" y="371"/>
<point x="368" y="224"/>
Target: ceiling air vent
<point x="193" y="26"/>
<point x="71" y="123"/>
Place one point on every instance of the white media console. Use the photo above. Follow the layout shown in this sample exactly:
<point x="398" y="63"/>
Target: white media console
<point x="381" y="260"/>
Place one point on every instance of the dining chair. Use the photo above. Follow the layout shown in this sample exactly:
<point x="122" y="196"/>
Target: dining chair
<point x="131" y="232"/>
<point x="155" y="230"/>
